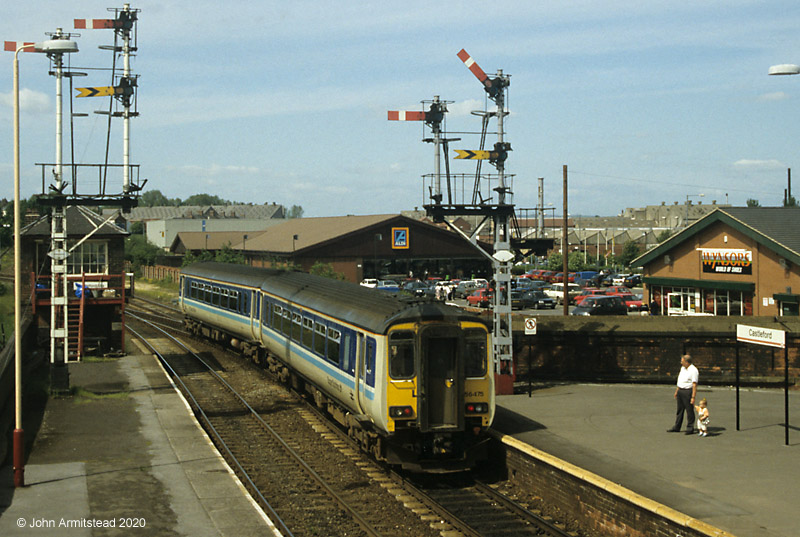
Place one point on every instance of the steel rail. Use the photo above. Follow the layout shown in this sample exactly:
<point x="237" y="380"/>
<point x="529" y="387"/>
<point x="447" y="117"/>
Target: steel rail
<point x="339" y="500"/>
<point x="262" y="500"/>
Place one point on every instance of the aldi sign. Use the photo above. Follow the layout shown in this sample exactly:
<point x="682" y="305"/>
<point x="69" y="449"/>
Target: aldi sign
<point x="726" y="260"/>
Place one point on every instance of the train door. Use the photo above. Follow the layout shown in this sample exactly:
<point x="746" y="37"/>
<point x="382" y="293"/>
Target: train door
<point x="441" y="384"/>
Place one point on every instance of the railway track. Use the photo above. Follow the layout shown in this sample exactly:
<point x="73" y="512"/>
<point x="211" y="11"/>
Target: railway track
<point x="317" y="480"/>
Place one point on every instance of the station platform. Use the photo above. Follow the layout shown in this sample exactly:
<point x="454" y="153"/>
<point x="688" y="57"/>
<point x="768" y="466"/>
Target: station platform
<point x="744" y="482"/>
<point x="125" y="457"/>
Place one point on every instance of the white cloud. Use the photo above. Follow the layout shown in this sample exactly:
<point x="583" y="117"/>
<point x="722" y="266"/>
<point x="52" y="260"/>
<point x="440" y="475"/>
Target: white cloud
<point x="215" y="170"/>
<point x="29" y="100"/>
<point x="774" y="96"/>
<point x="759" y="164"/>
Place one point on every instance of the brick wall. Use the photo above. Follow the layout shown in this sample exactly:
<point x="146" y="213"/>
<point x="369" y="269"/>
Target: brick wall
<point x="633" y="349"/>
<point x="598" y="505"/>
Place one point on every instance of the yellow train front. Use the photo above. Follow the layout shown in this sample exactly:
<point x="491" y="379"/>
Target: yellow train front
<point x="439" y="391"/>
<point x="410" y="379"/>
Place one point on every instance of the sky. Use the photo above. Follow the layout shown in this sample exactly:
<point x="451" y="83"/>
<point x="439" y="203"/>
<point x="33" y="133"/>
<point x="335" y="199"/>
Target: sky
<point x="286" y="102"/>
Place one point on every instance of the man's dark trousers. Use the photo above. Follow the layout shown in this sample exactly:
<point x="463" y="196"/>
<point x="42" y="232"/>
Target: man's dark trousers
<point x="684" y="405"/>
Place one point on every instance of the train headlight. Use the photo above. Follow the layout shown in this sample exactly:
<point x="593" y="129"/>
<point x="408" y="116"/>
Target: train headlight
<point x="477" y="408"/>
<point x="400" y="412"/>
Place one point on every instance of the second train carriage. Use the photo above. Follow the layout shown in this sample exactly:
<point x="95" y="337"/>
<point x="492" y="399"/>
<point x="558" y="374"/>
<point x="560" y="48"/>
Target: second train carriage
<point x="412" y="380"/>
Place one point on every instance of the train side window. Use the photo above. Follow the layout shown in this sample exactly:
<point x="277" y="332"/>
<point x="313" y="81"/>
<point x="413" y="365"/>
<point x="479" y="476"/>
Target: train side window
<point x="235" y="301"/>
<point x="277" y="315"/>
<point x="334" y="340"/>
<point x="476" y="353"/>
<point x="216" y="294"/>
<point x="319" y="338"/>
<point x="287" y="322"/>
<point x="401" y="354"/>
<point x="370" y="358"/>
<point x="297" y="327"/>
<point x="308" y="332"/>
<point x="224" y="299"/>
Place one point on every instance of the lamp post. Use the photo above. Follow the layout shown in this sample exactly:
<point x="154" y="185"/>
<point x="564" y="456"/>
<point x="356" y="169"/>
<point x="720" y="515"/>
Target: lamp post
<point x="686" y="222"/>
<point x="19" y="434"/>
<point x="53" y="46"/>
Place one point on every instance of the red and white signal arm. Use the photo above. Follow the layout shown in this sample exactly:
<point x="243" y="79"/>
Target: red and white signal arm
<point x="530" y="326"/>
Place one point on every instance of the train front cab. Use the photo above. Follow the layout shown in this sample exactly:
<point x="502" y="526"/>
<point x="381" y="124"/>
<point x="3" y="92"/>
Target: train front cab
<point x="440" y="394"/>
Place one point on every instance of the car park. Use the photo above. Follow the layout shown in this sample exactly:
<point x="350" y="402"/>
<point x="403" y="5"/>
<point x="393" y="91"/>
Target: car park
<point x="532" y="299"/>
<point x="601" y="305"/>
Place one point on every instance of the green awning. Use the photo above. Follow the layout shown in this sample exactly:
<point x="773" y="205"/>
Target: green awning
<point x="700" y="284"/>
<point x="786" y="298"/>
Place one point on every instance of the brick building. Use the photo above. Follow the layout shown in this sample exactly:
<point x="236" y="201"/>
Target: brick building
<point x="733" y="261"/>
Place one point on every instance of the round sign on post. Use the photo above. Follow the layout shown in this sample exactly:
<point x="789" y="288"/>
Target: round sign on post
<point x="530" y="326"/>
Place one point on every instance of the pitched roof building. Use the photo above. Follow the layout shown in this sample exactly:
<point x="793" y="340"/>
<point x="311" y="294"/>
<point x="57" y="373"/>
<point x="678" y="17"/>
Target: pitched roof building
<point x="733" y="261"/>
<point x="361" y="246"/>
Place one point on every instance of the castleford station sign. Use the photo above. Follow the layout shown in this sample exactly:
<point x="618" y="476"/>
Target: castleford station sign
<point x="726" y="260"/>
<point x="761" y="336"/>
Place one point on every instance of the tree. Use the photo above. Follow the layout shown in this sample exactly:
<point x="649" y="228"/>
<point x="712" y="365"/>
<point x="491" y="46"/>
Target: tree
<point x="204" y="200"/>
<point x="154" y="198"/>
<point x="664" y="235"/>
<point x="791" y="202"/>
<point x="326" y="269"/>
<point x="629" y="252"/>
<point x="140" y="252"/>
<point x="296" y="212"/>
<point x="753" y="203"/>
<point x="228" y="255"/>
<point x="190" y="258"/>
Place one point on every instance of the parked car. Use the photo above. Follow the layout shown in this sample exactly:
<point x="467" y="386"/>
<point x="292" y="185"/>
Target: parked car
<point x="369" y="282"/>
<point x="556" y="292"/>
<point x="632" y="302"/>
<point x="619" y="279"/>
<point x="616" y="290"/>
<point x="601" y="305"/>
<point x="388" y="285"/>
<point x="633" y="280"/>
<point x="481" y="298"/>
<point x="418" y="288"/>
<point x="521" y="300"/>
<point x="466" y="288"/>
<point x="587" y="292"/>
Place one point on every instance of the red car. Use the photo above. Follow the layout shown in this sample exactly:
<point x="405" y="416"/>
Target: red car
<point x="481" y="298"/>
<point x="588" y="291"/>
<point x="631" y="301"/>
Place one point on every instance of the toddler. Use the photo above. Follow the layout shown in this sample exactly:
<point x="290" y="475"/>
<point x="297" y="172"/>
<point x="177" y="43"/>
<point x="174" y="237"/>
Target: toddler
<point x="702" y="417"/>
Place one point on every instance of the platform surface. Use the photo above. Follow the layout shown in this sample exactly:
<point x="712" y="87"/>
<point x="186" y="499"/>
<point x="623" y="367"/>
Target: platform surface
<point x="130" y="453"/>
<point x="746" y="482"/>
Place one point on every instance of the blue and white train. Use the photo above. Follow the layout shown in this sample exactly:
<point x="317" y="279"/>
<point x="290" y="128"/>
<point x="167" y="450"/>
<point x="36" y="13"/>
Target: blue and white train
<point x="410" y="379"/>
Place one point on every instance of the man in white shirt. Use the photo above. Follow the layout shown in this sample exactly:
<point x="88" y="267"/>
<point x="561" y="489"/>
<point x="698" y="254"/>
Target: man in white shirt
<point x="685" y="393"/>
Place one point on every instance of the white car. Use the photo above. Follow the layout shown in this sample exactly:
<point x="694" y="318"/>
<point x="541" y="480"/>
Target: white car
<point x="556" y="292"/>
<point x="369" y="282"/>
<point x="619" y="279"/>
